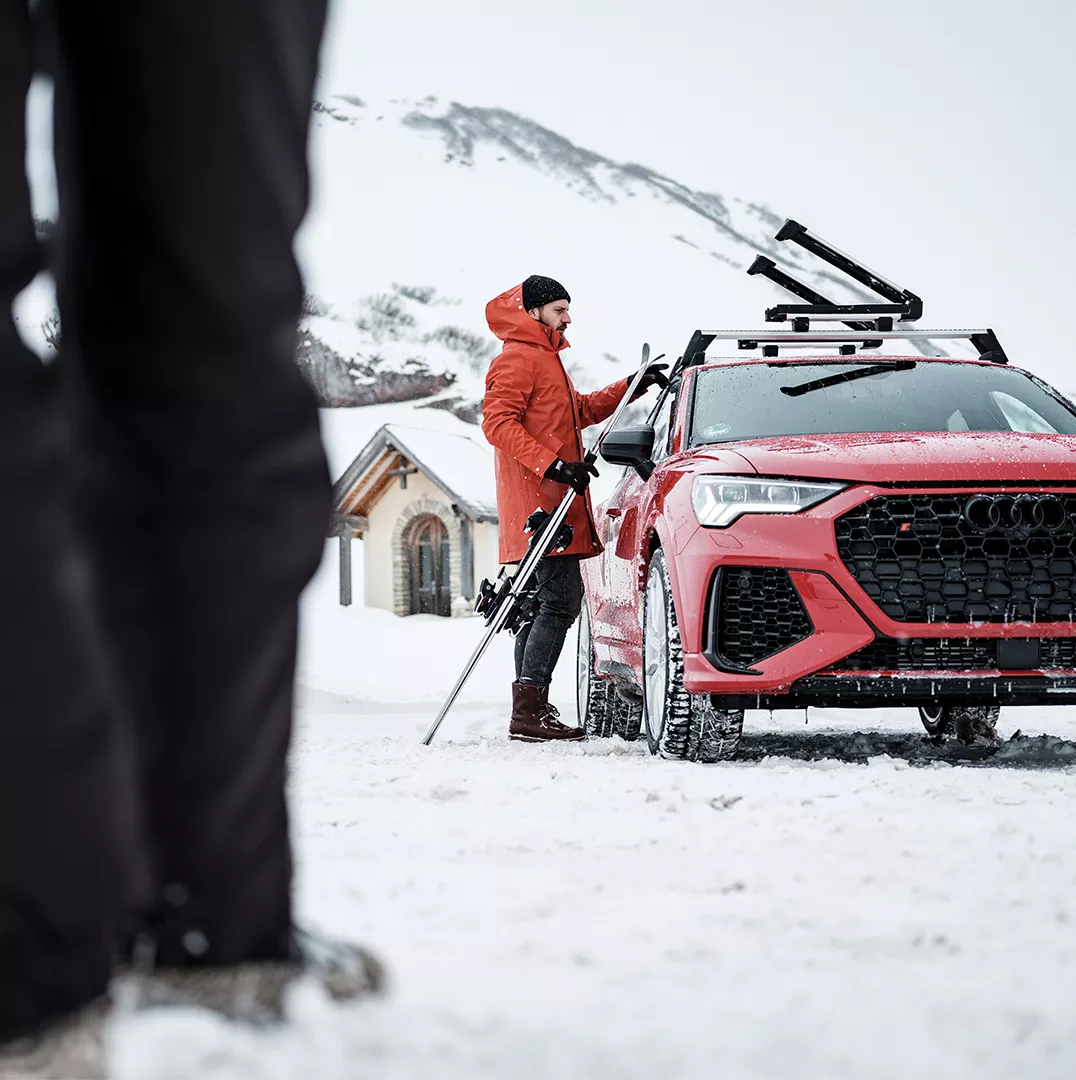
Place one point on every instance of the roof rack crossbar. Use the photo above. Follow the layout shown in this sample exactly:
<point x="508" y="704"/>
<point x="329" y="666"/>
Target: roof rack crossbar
<point x="985" y="341"/>
<point x="800" y="234"/>
<point x="843" y="336"/>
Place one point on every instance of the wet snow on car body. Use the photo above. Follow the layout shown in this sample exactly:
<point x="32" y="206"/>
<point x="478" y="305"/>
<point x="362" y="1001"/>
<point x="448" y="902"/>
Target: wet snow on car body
<point x="849" y="531"/>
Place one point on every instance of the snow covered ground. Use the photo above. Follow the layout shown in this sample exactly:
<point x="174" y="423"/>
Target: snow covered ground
<point x="831" y="907"/>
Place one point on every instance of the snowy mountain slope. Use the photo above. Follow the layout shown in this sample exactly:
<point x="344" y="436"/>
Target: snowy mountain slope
<point x="424" y="210"/>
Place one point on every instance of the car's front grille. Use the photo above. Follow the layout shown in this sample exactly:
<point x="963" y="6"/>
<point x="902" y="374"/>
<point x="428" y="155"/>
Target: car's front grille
<point x="758" y="613"/>
<point x="958" y="654"/>
<point x="964" y="558"/>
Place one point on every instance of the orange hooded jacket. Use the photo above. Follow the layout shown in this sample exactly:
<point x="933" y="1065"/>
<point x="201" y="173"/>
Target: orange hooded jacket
<point x="532" y="415"/>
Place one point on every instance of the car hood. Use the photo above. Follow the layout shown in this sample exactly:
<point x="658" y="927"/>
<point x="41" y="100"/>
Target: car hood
<point x="912" y="456"/>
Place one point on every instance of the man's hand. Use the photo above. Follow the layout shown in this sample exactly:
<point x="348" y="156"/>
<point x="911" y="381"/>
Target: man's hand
<point x="576" y="474"/>
<point x="654" y="376"/>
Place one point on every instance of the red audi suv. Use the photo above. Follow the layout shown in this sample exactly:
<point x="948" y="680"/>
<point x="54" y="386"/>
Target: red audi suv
<point x="833" y="530"/>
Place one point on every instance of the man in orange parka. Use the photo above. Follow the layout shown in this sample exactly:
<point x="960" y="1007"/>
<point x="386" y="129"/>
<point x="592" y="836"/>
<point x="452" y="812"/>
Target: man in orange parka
<point x="533" y="417"/>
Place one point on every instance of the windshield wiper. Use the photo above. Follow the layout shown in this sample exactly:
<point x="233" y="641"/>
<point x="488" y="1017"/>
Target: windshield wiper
<point x="847" y="376"/>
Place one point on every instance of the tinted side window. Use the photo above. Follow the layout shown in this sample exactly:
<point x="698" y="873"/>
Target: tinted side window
<point x="661" y="422"/>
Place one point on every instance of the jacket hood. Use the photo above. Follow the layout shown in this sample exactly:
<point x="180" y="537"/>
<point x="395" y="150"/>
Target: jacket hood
<point x="510" y="322"/>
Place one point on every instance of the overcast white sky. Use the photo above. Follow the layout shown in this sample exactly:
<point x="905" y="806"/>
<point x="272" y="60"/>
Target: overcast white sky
<point x="931" y="138"/>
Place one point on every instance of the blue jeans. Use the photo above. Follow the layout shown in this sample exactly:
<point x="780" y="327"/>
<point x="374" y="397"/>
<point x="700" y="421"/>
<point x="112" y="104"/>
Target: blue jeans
<point x="560" y="596"/>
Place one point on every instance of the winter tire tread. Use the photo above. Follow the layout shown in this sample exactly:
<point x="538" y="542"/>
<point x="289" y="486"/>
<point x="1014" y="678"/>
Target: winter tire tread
<point x="969" y="723"/>
<point x="627" y="717"/>
<point x="694" y="729"/>
<point x="596" y="716"/>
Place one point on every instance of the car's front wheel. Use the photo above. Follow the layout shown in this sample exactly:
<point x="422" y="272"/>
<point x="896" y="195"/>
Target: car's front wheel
<point x="970" y="723"/>
<point x="678" y="724"/>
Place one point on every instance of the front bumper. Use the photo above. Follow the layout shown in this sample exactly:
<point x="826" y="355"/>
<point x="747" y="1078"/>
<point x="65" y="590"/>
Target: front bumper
<point x="894" y="690"/>
<point x="844" y="622"/>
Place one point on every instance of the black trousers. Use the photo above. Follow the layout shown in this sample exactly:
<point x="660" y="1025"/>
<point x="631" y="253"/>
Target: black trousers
<point x="164" y="490"/>
<point x="560" y="598"/>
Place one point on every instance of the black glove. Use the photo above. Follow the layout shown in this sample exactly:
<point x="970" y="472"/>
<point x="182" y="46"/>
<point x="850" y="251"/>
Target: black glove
<point x="654" y="376"/>
<point x="576" y="474"/>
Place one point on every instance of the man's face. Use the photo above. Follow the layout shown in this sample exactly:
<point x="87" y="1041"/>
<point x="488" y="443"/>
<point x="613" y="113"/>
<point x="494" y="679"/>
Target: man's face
<point x="554" y="315"/>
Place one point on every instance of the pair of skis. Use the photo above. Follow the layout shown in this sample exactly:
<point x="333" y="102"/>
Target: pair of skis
<point x="505" y="604"/>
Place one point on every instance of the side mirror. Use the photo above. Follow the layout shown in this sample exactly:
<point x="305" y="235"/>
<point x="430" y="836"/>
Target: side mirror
<point x="630" y="446"/>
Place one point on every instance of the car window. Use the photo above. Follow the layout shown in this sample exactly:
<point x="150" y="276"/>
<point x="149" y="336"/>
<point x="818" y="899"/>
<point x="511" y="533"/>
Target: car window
<point x="661" y="422"/>
<point x="762" y="400"/>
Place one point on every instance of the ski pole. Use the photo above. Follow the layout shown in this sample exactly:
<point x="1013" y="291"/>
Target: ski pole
<point x="540" y="547"/>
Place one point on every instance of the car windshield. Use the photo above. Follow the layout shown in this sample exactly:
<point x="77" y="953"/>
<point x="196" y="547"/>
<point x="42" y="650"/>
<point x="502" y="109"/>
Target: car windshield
<point x="760" y="400"/>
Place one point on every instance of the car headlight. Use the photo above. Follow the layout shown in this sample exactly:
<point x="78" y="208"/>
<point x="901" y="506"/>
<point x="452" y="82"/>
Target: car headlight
<point x="720" y="500"/>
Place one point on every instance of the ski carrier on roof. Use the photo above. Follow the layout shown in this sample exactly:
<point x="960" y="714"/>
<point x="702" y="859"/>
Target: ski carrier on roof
<point x="869" y="324"/>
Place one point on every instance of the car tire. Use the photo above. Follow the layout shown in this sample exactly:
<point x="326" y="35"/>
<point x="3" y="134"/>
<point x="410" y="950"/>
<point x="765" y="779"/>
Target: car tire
<point x="719" y="730"/>
<point x="594" y="696"/>
<point x="679" y="725"/>
<point x="937" y="720"/>
<point x="627" y="714"/>
<point x="976" y="723"/>
<point x="969" y="723"/>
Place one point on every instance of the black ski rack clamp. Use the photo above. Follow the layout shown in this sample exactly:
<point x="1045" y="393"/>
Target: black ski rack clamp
<point x="817" y="305"/>
<point x="902" y="305"/>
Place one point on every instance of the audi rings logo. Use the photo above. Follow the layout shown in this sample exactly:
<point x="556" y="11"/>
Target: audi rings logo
<point x="1015" y="514"/>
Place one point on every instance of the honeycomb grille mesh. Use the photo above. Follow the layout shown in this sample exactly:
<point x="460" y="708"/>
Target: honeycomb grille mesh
<point x="759" y="614"/>
<point x="918" y="558"/>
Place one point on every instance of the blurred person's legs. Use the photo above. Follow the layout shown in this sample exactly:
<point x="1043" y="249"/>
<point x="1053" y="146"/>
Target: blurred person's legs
<point x="198" y="488"/>
<point x="65" y="811"/>
<point x="202" y="483"/>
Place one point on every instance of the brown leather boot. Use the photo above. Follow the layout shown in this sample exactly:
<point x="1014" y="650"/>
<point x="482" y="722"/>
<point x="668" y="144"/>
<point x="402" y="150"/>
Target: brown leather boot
<point x="534" y="719"/>
<point x="552" y="717"/>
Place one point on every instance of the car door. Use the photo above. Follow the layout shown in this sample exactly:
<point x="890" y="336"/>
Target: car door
<point x="610" y="517"/>
<point x="622" y="540"/>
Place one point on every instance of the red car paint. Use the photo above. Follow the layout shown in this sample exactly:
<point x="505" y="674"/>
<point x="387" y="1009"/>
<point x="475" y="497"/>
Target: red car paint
<point x="642" y="515"/>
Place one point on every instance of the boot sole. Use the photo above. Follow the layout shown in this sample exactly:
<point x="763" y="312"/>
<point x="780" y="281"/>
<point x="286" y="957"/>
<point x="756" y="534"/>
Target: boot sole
<point x="535" y="739"/>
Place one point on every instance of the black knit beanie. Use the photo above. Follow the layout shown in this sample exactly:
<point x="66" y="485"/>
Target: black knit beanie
<point x="539" y="291"/>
